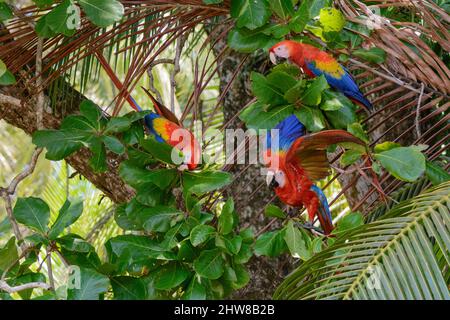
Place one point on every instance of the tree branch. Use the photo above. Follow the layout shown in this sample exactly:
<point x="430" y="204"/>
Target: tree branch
<point x="32" y="285"/>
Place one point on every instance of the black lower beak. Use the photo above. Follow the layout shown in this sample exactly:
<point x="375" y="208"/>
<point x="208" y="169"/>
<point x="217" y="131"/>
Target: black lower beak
<point x="273" y="184"/>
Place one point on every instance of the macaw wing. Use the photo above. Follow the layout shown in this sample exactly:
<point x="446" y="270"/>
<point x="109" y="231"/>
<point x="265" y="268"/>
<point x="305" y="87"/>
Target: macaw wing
<point x="162" y="110"/>
<point x="324" y="214"/>
<point x="310" y="151"/>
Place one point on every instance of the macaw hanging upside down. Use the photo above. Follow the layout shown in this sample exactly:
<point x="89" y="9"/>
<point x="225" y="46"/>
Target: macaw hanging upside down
<point x="315" y="62"/>
<point x="301" y="159"/>
<point x="162" y="124"/>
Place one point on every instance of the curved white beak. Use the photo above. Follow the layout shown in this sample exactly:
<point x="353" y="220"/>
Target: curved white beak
<point x="273" y="57"/>
<point x="269" y="177"/>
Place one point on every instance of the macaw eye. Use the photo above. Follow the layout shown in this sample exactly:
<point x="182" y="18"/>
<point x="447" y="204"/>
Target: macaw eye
<point x="280" y="178"/>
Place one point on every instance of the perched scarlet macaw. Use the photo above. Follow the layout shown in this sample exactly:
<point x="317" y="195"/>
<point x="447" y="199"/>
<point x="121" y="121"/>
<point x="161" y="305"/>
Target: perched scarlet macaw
<point x="315" y="62"/>
<point x="163" y="124"/>
<point x="302" y="158"/>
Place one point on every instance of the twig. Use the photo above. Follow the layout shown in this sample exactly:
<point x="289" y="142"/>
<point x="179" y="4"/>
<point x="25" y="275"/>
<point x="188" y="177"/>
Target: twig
<point x="40" y="98"/>
<point x="150" y="76"/>
<point x="176" y="69"/>
<point x="32" y="285"/>
<point x="50" y="270"/>
<point x="419" y="104"/>
<point x="4" y="99"/>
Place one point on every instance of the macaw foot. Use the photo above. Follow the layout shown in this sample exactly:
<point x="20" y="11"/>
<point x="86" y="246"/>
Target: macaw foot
<point x="183" y="167"/>
<point x="310" y="226"/>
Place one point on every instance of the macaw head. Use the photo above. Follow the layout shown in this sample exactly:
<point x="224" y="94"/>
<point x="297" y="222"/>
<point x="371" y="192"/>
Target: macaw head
<point x="288" y="130"/>
<point x="285" y="49"/>
<point x="191" y="153"/>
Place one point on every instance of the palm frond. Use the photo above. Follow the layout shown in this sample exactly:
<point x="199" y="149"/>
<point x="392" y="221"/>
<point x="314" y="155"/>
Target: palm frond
<point x="403" y="255"/>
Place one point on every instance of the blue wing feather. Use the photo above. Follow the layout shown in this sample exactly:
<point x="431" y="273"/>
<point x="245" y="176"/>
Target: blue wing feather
<point x="148" y="119"/>
<point x="324" y="209"/>
<point x="290" y="129"/>
<point x="346" y="84"/>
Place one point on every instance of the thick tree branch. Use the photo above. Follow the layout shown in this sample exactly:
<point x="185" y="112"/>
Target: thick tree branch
<point x="32" y="285"/>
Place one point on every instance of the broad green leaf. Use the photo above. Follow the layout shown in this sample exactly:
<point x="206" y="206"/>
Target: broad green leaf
<point x="32" y="212"/>
<point x="435" y="173"/>
<point x="171" y="276"/>
<point x="265" y="91"/>
<point x="42" y="3"/>
<point x="205" y="181"/>
<point x="116" y="125"/>
<point x="313" y="94"/>
<point x="295" y="242"/>
<point x="7" y="79"/>
<point x="226" y="220"/>
<point x="385" y="146"/>
<point x="311" y="117"/>
<point x="255" y="117"/>
<point x="68" y="214"/>
<point x="404" y="163"/>
<point x="274" y="212"/>
<point x="358" y="131"/>
<point x="210" y="264"/>
<point x="98" y="159"/>
<point x="231" y="244"/>
<point x="136" y="176"/>
<point x="375" y="55"/>
<point x="91" y="112"/>
<point x="186" y="252"/>
<point x="81" y="127"/>
<point x="102" y="12"/>
<point x="92" y="285"/>
<point x="128" y="288"/>
<point x="43" y="28"/>
<point x="159" y="218"/>
<point x="350" y="221"/>
<point x="270" y="244"/>
<point x="195" y="290"/>
<point x="113" y="144"/>
<point x="331" y="19"/>
<point x="333" y="100"/>
<point x="247" y="41"/>
<point x="5" y="13"/>
<point x="8" y="255"/>
<point x="249" y="13"/>
<point x="59" y="20"/>
<point x="200" y="234"/>
<point x="349" y="157"/>
<point x="2" y="68"/>
<point x="244" y="254"/>
<point x="160" y="151"/>
<point x="242" y="277"/>
<point x="300" y="18"/>
<point x="293" y="94"/>
<point x="340" y="119"/>
<point x="282" y="8"/>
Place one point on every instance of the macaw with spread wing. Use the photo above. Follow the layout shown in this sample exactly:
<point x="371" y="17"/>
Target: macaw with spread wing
<point x="302" y="159"/>
<point x="163" y="124"/>
<point x="315" y="62"/>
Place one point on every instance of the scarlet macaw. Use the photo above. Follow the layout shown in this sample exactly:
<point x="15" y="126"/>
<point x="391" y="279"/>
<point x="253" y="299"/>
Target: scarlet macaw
<point x="302" y="158"/>
<point x="315" y="62"/>
<point x="163" y="124"/>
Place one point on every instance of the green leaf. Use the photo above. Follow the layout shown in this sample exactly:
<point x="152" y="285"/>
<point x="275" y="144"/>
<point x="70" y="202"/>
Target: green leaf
<point x="293" y="94"/>
<point x="200" y="234"/>
<point x="300" y="18"/>
<point x="32" y="212"/>
<point x="171" y="276"/>
<point x="358" y="131"/>
<point x="68" y="214"/>
<point x="116" y="125"/>
<point x="160" y="151"/>
<point x="59" y="144"/>
<point x="274" y="212"/>
<point x="113" y="144"/>
<point x="195" y="290"/>
<point x="98" y="159"/>
<point x="350" y="157"/>
<point x="102" y="12"/>
<point x="186" y="252"/>
<point x="91" y="112"/>
<point x="340" y="119"/>
<point x="295" y="242"/>
<point x="59" y="20"/>
<point x="128" y="288"/>
<point x="226" y="220"/>
<point x="249" y="13"/>
<point x="282" y="8"/>
<point x="247" y="41"/>
<point x="43" y="28"/>
<point x="331" y="19"/>
<point x="350" y="221"/>
<point x="311" y="117"/>
<point x="210" y="264"/>
<point x="265" y="91"/>
<point x="313" y="94"/>
<point x="255" y="117"/>
<point x="136" y="176"/>
<point x="375" y="55"/>
<point x="385" y="146"/>
<point x="333" y="100"/>
<point x="242" y="277"/>
<point x="205" y="181"/>
<point x="270" y="244"/>
<point x="435" y="173"/>
<point x="232" y="245"/>
<point x="92" y="285"/>
<point x="244" y="254"/>
<point x="2" y="68"/>
<point x="5" y="13"/>
<point x="404" y="163"/>
<point x="159" y="218"/>
<point x="7" y="79"/>
<point x="8" y="255"/>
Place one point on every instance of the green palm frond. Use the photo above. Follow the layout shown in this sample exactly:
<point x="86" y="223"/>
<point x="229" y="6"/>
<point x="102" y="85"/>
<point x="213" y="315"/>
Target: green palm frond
<point x="403" y="255"/>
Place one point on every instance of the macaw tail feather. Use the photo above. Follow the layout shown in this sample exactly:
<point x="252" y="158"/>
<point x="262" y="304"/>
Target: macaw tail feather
<point x="109" y="71"/>
<point x="359" y="99"/>
<point x="323" y="213"/>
